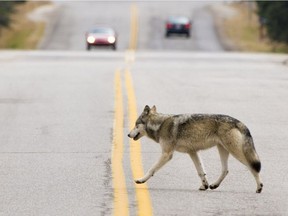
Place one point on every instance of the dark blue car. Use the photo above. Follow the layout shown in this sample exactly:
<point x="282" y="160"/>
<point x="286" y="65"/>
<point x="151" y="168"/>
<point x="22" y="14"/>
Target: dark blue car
<point x="178" y="25"/>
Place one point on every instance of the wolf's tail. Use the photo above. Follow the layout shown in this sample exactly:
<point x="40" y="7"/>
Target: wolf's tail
<point x="249" y="149"/>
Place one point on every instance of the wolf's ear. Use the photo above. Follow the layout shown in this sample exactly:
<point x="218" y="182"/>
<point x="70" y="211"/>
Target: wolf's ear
<point x="146" y="109"/>
<point x="153" y="109"/>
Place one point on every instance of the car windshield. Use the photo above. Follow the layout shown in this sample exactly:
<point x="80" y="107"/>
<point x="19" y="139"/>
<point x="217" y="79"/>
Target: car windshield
<point x="179" y="20"/>
<point x="102" y="31"/>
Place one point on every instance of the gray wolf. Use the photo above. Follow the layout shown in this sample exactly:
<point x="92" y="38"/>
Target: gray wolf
<point x="190" y="133"/>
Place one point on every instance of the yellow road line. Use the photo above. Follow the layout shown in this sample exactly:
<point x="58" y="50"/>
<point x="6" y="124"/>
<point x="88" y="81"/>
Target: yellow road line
<point x="121" y="207"/>
<point x="142" y="192"/>
<point x="133" y="27"/>
<point x="129" y="57"/>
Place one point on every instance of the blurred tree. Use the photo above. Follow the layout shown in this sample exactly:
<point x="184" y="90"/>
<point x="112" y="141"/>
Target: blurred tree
<point x="274" y="15"/>
<point x="6" y="8"/>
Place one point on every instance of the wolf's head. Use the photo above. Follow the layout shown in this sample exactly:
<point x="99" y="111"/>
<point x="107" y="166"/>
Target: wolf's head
<point x="140" y="126"/>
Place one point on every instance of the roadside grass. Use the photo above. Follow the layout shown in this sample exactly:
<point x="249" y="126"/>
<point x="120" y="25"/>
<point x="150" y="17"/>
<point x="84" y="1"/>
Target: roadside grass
<point x="243" y="29"/>
<point x="23" y="33"/>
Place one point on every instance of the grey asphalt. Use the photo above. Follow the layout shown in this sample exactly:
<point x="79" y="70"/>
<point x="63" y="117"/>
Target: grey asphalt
<point x="55" y="135"/>
<point x="253" y="89"/>
<point x="56" y="125"/>
<point x="72" y="19"/>
<point x="57" y="110"/>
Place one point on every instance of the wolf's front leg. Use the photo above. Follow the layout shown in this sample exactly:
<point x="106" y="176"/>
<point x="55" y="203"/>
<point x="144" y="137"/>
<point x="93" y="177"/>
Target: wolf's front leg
<point x="165" y="157"/>
<point x="199" y="167"/>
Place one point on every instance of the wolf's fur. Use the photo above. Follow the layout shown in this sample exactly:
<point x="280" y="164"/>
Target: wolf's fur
<point x="189" y="133"/>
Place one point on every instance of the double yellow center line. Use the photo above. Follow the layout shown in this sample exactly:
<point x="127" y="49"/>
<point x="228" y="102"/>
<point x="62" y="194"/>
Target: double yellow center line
<point x="121" y="200"/>
<point x="121" y="206"/>
<point x="142" y="193"/>
<point x="119" y="184"/>
<point x="133" y="27"/>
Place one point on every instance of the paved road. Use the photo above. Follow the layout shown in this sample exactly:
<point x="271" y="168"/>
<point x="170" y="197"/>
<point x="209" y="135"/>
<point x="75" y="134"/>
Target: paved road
<point x="73" y="19"/>
<point x="248" y="87"/>
<point x="57" y="114"/>
<point x="60" y="145"/>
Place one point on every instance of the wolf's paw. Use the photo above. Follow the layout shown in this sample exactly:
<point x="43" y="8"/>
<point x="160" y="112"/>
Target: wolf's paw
<point x="214" y="186"/>
<point x="139" y="181"/>
<point x="203" y="187"/>
<point x="260" y="188"/>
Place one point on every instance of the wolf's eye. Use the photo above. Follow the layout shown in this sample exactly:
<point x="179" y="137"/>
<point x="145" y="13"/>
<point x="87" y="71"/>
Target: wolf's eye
<point x="139" y="121"/>
<point x="142" y="120"/>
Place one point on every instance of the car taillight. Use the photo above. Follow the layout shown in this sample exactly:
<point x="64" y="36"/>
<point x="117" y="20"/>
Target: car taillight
<point x="168" y="25"/>
<point x="187" y="26"/>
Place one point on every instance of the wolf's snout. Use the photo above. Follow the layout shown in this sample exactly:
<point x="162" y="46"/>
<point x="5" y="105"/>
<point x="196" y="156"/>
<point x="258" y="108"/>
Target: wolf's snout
<point x="129" y="135"/>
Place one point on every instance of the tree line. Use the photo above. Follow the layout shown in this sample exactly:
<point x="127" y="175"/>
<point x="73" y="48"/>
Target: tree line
<point x="274" y="16"/>
<point x="6" y="8"/>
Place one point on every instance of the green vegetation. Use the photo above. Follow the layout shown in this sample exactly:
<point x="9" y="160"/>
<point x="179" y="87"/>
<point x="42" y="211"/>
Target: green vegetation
<point x="248" y="34"/>
<point x="17" y="40"/>
<point x="6" y="8"/>
<point x="16" y="30"/>
<point x="274" y="16"/>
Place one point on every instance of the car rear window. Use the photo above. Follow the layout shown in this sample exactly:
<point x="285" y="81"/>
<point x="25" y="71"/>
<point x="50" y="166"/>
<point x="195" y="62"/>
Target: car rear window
<point x="179" y="20"/>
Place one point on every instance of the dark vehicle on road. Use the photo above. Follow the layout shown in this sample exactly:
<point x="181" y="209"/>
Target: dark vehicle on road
<point x="101" y="36"/>
<point x="178" y="25"/>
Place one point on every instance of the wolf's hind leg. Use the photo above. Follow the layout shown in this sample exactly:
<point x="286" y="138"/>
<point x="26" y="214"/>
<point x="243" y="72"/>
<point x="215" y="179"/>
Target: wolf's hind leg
<point x="224" y="154"/>
<point x="258" y="180"/>
<point x="200" y="170"/>
<point x="165" y="157"/>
